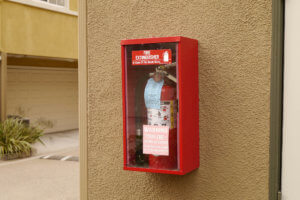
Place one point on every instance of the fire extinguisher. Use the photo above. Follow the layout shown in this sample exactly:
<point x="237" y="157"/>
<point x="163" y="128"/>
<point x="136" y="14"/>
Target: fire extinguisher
<point x="165" y="116"/>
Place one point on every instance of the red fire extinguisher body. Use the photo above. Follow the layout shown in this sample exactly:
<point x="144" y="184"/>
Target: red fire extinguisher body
<point x="168" y="97"/>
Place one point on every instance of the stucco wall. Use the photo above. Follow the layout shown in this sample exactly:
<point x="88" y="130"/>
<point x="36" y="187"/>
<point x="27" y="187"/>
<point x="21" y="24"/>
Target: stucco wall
<point x="234" y="72"/>
<point x="34" y="31"/>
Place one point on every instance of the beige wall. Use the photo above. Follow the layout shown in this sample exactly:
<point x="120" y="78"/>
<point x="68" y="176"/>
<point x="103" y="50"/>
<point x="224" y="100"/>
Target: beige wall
<point x="234" y="69"/>
<point x="73" y="5"/>
<point x="35" y="31"/>
<point x="1" y="25"/>
<point x="1" y="42"/>
<point x="44" y="95"/>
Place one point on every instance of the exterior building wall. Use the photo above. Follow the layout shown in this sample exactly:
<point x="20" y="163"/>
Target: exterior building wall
<point x="44" y="95"/>
<point x="73" y="5"/>
<point x="35" y="31"/>
<point x="234" y="73"/>
<point x="1" y="42"/>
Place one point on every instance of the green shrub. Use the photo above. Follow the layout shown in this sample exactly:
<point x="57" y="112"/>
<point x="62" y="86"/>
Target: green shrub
<point x="17" y="137"/>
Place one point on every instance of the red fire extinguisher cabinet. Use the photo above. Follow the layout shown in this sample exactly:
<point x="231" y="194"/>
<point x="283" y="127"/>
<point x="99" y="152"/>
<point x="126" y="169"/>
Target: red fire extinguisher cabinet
<point x="160" y="105"/>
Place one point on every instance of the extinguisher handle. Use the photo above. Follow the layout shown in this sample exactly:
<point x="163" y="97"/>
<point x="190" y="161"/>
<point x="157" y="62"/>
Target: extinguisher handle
<point x="162" y="70"/>
<point x="165" y="74"/>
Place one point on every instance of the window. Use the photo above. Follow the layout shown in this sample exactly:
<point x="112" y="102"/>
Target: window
<point x="62" y="3"/>
<point x="53" y="5"/>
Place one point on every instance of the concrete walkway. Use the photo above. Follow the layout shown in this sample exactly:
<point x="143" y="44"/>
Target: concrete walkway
<point x="57" y="142"/>
<point x="43" y="179"/>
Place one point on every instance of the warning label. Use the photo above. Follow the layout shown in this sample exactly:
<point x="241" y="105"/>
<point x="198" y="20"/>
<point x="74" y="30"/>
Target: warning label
<point x="156" y="140"/>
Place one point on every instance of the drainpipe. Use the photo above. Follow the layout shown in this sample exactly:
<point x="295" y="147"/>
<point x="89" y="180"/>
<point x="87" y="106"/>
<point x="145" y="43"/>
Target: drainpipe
<point x="3" y="85"/>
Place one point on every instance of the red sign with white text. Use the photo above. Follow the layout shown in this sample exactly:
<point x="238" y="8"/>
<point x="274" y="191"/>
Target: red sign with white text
<point x="152" y="57"/>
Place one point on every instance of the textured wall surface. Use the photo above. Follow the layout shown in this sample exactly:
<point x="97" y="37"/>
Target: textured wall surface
<point x="234" y="69"/>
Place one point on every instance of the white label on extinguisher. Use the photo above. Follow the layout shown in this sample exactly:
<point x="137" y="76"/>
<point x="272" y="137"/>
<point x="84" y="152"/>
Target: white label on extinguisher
<point x="156" y="140"/>
<point x="165" y="116"/>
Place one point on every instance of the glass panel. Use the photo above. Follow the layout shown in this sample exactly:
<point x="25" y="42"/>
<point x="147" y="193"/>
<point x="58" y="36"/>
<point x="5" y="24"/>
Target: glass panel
<point x="61" y="2"/>
<point x="151" y="106"/>
<point x="52" y="1"/>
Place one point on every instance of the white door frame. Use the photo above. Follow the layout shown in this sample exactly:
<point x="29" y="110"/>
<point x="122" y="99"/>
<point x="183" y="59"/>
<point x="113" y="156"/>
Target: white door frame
<point x="291" y="104"/>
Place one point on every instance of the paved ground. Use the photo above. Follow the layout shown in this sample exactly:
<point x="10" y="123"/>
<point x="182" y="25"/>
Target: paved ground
<point x="57" y="141"/>
<point x="43" y="179"/>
